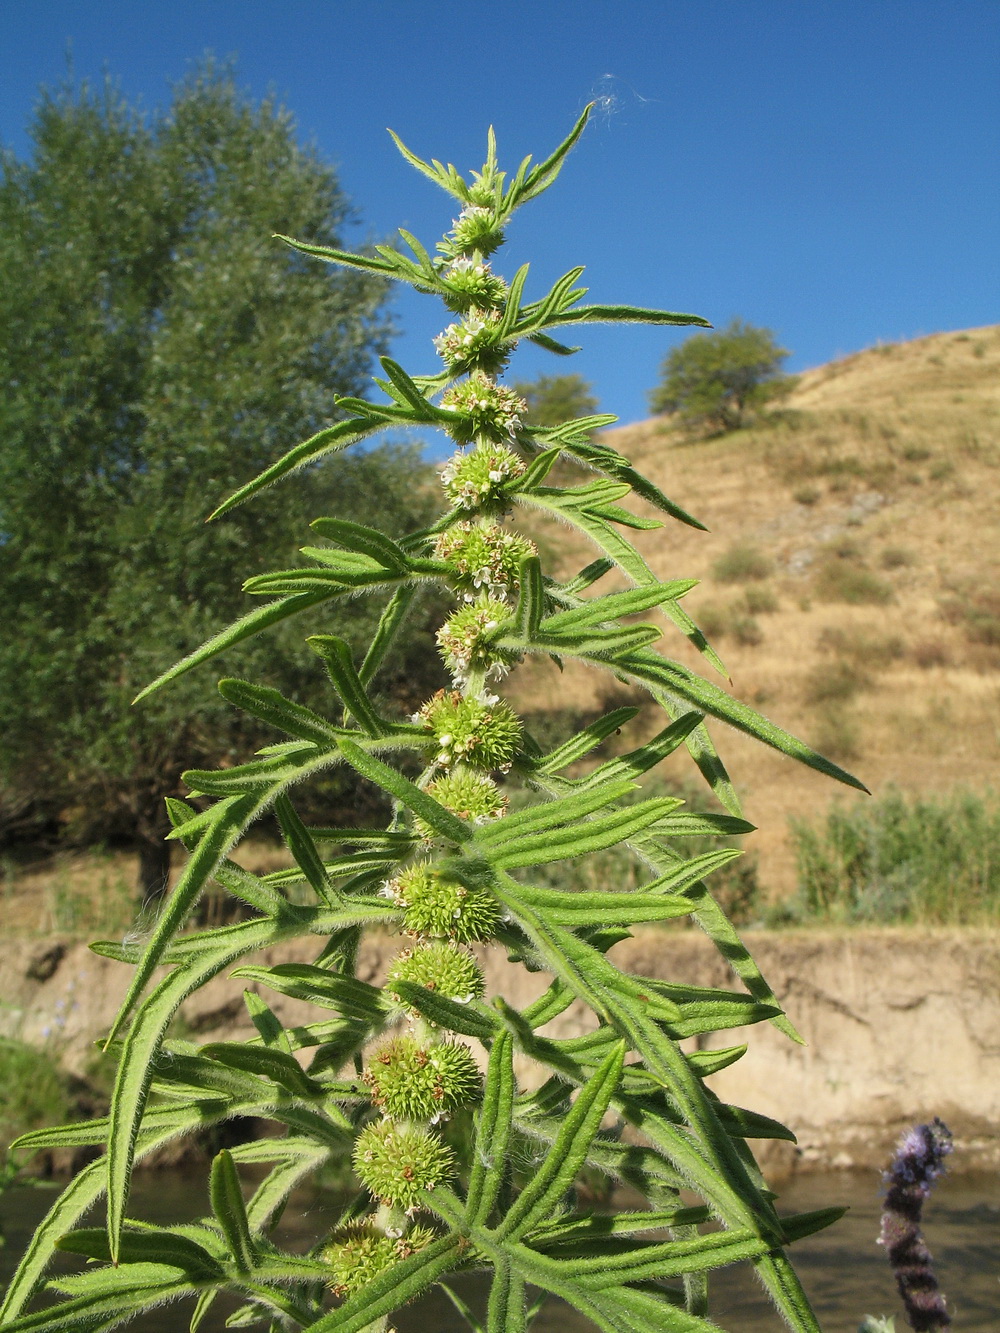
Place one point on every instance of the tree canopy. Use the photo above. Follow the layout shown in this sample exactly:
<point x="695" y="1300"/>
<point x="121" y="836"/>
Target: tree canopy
<point x="716" y="380"/>
<point x="553" y="399"/>
<point x="157" y="349"/>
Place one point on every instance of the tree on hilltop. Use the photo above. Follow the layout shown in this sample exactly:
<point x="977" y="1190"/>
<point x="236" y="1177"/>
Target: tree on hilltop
<point x="716" y="380"/>
<point x="158" y="348"/>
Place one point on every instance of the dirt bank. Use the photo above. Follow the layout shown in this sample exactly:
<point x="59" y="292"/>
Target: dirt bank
<point x="899" y="1025"/>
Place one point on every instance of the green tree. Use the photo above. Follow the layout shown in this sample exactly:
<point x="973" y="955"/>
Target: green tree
<point x="553" y="399"/>
<point x="156" y="346"/>
<point x="717" y="380"/>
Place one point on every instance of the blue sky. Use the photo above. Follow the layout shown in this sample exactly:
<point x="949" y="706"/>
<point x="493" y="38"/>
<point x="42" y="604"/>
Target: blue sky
<point x="828" y="168"/>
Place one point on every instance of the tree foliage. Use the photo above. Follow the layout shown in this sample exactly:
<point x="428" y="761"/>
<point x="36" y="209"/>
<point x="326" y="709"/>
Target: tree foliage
<point x="717" y="380"/>
<point x="156" y="344"/>
<point x="553" y="399"/>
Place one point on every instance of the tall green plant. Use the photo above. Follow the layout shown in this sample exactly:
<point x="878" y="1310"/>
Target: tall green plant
<point x="379" y="1070"/>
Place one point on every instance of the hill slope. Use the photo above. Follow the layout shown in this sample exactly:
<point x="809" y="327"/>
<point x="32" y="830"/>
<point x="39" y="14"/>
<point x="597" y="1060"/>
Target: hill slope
<point x="849" y="579"/>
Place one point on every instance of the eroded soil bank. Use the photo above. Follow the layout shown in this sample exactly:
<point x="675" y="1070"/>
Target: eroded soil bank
<point x="899" y="1025"/>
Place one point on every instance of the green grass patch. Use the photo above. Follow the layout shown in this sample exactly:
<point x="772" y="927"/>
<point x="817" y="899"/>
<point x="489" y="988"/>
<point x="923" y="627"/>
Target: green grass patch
<point x="902" y="860"/>
<point x="742" y="563"/>
<point x="32" y="1090"/>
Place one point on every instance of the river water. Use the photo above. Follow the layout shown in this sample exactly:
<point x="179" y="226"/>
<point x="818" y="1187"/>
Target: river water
<point x="842" y="1269"/>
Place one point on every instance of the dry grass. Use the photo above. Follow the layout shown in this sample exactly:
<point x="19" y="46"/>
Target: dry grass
<point x="892" y="458"/>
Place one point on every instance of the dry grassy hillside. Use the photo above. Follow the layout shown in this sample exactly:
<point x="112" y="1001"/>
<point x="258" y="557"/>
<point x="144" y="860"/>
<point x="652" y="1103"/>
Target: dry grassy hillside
<point x="849" y="578"/>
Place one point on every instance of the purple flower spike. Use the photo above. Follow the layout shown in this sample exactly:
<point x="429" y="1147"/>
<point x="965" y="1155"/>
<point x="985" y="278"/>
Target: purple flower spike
<point x="918" y="1162"/>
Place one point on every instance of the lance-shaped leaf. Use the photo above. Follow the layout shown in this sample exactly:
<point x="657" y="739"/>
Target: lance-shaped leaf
<point x="410" y="795"/>
<point x="583" y="908"/>
<point x="584" y="741"/>
<point x="577" y="507"/>
<point x="568" y="1154"/>
<point x="317" y="985"/>
<point x="263" y="617"/>
<point x="534" y="474"/>
<point x="306" y="854"/>
<point x="369" y="541"/>
<point x="506" y="1312"/>
<point x="493" y="1131"/>
<point x="230" y="1211"/>
<point x="104" y="1298"/>
<point x="325" y="441"/>
<point x="336" y="655"/>
<point x="612" y="464"/>
<point x="624" y="314"/>
<point x="389" y="625"/>
<point x="529" y="184"/>
<point x="530" y="601"/>
<point x="445" y="1013"/>
<point x="271" y="706"/>
<point x="708" y="698"/>
<point x="591" y="836"/>
<point x="602" y="610"/>
<point x="652" y="1261"/>
<point x="647" y="756"/>
<point x="266" y="1062"/>
<point x="156" y="1246"/>
<point x="547" y="815"/>
<point x="269" y="1026"/>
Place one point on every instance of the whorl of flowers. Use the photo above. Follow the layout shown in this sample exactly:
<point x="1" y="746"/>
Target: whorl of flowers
<point x="411" y="1080"/>
<point x="474" y="481"/>
<point x="465" y="639"/>
<point x="437" y="907"/>
<point x="489" y="410"/>
<point x="438" y="966"/>
<point x="475" y="230"/>
<point x="486" y="558"/>
<point x="397" y="1162"/>
<point x="473" y="285"/>
<point x="474" y="344"/>
<point x="469" y="795"/>
<point x="484" y="732"/>
<point x="360" y="1253"/>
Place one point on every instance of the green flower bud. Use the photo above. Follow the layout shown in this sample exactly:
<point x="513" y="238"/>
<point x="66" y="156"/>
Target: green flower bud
<point x="490" y="410"/>
<point x="464" y="639"/>
<point x="441" y="967"/>
<point x="396" y="1164"/>
<point x="473" y="481"/>
<point x="474" y="344"/>
<point x="442" y="908"/>
<point x="473" y="286"/>
<point x="483" y="732"/>
<point x="485" y="557"/>
<point x="468" y="795"/>
<point x="358" y="1254"/>
<point x="410" y="1081"/>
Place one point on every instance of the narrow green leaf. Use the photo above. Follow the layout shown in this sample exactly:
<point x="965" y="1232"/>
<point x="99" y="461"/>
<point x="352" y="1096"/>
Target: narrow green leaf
<point x="317" y="985"/>
<point x="586" y="740"/>
<point x="623" y="314"/>
<point x="230" y="1210"/>
<point x="339" y="662"/>
<point x="602" y="610"/>
<point x="568" y="1154"/>
<point x="369" y="541"/>
<point x="394" y="1288"/>
<point x="547" y="815"/>
<point x="334" y="437"/>
<point x="446" y="1013"/>
<point x="592" y="836"/>
<point x="493" y="1131"/>
<point x="389" y="625"/>
<point x="647" y="756"/>
<point x="271" y="706"/>
<point x="303" y="849"/>
<point x="393" y="782"/>
<point x="265" y="1020"/>
<point x="531" y="599"/>
<point x="111" y="1295"/>
<point x="263" y="617"/>
<point x="153" y="1246"/>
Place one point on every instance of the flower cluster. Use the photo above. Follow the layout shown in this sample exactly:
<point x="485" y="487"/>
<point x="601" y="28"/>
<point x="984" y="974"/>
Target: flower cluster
<point x="473" y="285"/>
<point x="476" y="480"/>
<point x="437" y="907"/>
<point x="474" y="344"/>
<point x="486" y="558"/>
<point x="474" y="231"/>
<point x="397" y="1162"/>
<point x="466" y="640"/>
<point x="484" y="732"/>
<point x="469" y="795"/>
<point x="358" y="1254"/>
<point x="410" y="1080"/>
<point x="438" y="966"/>
<point x="489" y="410"/>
